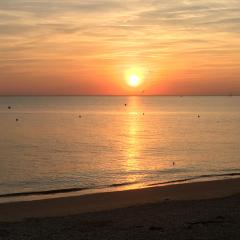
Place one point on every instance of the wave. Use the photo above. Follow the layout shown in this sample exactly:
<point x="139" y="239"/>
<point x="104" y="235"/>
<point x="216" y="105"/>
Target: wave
<point x="69" y="190"/>
<point x="196" y="177"/>
<point x="47" y="192"/>
<point x="122" y="184"/>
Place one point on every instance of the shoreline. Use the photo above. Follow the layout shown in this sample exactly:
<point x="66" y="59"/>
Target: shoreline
<point x="77" y="191"/>
<point x="75" y="205"/>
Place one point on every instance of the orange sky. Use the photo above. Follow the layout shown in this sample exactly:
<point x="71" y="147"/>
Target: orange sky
<point x="182" y="47"/>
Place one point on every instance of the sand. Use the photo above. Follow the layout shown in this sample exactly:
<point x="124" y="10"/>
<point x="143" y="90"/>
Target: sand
<point x="206" y="210"/>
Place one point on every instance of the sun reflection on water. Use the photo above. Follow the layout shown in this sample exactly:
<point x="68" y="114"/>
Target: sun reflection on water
<point x="133" y="142"/>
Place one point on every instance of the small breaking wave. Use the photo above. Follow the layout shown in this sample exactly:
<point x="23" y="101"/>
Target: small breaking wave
<point x="72" y="190"/>
<point x="195" y="178"/>
<point x="122" y="184"/>
<point x="47" y="192"/>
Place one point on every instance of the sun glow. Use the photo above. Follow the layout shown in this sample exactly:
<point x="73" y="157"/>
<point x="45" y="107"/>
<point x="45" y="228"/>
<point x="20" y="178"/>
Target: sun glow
<point x="134" y="81"/>
<point x="135" y="77"/>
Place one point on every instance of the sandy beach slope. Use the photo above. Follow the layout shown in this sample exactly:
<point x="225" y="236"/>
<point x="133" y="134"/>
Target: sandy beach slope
<point x="206" y="210"/>
<point x="105" y="201"/>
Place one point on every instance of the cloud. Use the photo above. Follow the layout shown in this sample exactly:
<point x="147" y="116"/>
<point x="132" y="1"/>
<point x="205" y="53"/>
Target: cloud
<point x="192" y="15"/>
<point x="154" y="32"/>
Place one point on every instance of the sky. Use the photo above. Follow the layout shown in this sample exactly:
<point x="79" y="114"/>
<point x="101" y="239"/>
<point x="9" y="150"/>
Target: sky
<point x="76" y="47"/>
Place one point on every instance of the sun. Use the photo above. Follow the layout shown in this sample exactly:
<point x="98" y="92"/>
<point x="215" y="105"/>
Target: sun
<point x="134" y="80"/>
<point x="135" y="77"/>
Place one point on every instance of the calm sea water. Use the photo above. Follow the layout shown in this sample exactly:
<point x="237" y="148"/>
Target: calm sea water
<point x="112" y="145"/>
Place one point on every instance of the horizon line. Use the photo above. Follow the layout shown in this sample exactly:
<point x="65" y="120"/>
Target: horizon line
<point x="121" y="95"/>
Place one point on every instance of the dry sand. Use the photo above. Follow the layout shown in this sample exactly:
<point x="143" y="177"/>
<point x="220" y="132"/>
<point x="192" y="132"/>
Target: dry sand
<point x="206" y="210"/>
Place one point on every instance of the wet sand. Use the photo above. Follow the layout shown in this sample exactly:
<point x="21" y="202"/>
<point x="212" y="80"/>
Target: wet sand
<point x="206" y="210"/>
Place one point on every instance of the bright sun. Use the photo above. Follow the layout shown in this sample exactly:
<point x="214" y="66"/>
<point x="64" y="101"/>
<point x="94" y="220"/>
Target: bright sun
<point x="134" y="77"/>
<point x="134" y="81"/>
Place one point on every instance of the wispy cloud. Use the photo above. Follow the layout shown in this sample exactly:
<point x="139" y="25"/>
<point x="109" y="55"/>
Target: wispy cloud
<point x="37" y="36"/>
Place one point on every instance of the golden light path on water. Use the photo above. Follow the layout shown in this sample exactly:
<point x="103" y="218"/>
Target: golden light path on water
<point x="134" y="147"/>
<point x="134" y="127"/>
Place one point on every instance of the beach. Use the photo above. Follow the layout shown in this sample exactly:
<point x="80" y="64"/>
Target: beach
<point x="119" y="120"/>
<point x="200" y="210"/>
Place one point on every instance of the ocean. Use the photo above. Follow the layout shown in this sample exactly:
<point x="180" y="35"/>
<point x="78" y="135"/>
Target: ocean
<point x="58" y="146"/>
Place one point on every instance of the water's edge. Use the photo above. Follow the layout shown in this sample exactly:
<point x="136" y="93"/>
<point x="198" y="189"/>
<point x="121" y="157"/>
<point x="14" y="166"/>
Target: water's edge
<point x="54" y="192"/>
